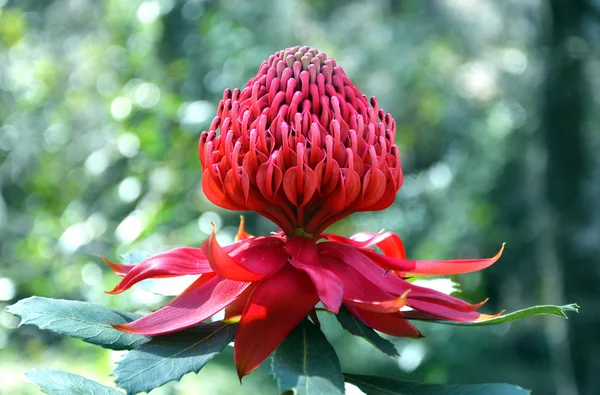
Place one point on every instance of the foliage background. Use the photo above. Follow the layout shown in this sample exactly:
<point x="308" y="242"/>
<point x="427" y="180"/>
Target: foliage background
<point x="102" y="104"/>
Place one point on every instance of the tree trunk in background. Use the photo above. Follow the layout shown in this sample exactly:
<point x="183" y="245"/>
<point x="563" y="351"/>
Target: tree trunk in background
<point x="557" y="170"/>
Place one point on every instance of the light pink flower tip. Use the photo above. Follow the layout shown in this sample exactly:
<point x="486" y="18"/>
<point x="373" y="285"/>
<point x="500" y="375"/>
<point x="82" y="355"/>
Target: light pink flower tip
<point x="300" y="145"/>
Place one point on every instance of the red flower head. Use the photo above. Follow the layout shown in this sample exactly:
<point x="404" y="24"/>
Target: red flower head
<point x="301" y="146"/>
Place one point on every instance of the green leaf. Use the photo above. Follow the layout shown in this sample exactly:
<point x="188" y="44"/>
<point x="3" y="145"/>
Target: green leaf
<point x="168" y="358"/>
<point x="357" y="328"/>
<point x="518" y="315"/>
<point x="307" y="363"/>
<point x="58" y="382"/>
<point x="82" y="320"/>
<point x="373" y="385"/>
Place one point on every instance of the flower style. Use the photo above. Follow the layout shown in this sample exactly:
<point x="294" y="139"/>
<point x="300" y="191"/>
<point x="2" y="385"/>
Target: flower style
<point x="303" y="147"/>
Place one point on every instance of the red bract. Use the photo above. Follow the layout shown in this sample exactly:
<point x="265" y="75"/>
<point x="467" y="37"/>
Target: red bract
<point x="271" y="283"/>
<point x="301" y="146"/>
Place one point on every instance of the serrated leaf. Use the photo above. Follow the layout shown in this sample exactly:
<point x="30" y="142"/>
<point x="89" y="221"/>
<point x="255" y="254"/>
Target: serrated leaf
<point x="168" y="358"/>
<point x="518" y="315"/>
<point x="373" y="385"/>
<point x="306" y="363"/>
<point x="357" y="328"/>
<point x="81" y="320"/>
<point x="58" y="382"/>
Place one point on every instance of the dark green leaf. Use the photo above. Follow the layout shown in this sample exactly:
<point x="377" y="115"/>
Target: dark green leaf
<point x="518" y="315"/>
<point x="168" y="358"/>
<point x="82" y="320"/>
<point x="357" y="328"/>
<point x="307" y="363"/>
<point x="373" y="385"/>
<point x="58" y="382"/>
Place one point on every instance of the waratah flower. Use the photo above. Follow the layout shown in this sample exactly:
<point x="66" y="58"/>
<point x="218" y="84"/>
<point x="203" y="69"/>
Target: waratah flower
<point x="301" y="146"/>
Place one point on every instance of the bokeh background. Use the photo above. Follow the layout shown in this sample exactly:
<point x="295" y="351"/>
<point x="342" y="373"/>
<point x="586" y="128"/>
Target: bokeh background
<point x="497" y="105"/>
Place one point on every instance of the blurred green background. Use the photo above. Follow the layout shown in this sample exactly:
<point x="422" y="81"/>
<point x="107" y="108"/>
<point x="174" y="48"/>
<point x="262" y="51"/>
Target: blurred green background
<point x="102" y="104"/>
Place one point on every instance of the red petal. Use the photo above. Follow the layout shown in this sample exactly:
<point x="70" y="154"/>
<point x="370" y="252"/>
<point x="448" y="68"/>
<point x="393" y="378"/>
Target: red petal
<point x="373" y="187"/>
<point x="238" y="188"/>
<point x="226" y="266"/>
<point x="365" y="281"/>
<point x="268" y="180"/>
<point x="120" y="270"/>
<point x="352" y="183"/>
<point x="205" y="297"/>
<point x="175" y="262"/>
<point x="215" y="192"/>
<point x="274" y="309"/>
<point x="439" y="298"/>
<point x="239" y="246"/>
<point x="421" y="294"/>
<point x="387" y="198"/>
<point x="335" y="202"/>
<point x="355" y="258"/>
<point x="305" y="257"/>
<point x="420" y="315"/>
<point x="328" y="174"/>
<point x="389" y="243"/>
<point x="237" y="307"/>
<point x="390" y="324"/>
<point x="356" y="286"/>
<point x="299" y="195"/>
<point x="456" y="266"/>
<point x="444" y="312"/>
<point x="385" y="307"/>
<point x="255" y="201"/>
<point x="265" y="258"/>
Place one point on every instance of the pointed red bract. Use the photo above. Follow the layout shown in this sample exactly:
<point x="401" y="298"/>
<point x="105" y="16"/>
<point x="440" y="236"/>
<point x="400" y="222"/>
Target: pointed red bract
<point x="205" y="297"/>
<point x="371" y="284"/>
<point x="265" y="258"/>
<point x="273" y="310"/>
<point x="440" y="298"/>
<point x="226" y="266"/>
<point x="355" y="285"/>
<point x="430" y="267"/>
<point x="305" y="256"/>
<point x="236" y="308"/>
<point x="354" y="258"/>
<point x="175" y="262"/>
<point x="389" y="243"/>
<point x="443" y="312"/>
<point x="118" y="269"/>
<point x="385" y="306"/>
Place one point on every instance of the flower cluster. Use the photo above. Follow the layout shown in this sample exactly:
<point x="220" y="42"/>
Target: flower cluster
<point x="303" y="147"/>
<point x="300" y="145"/>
